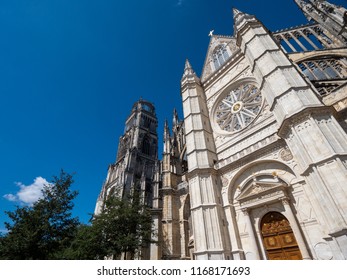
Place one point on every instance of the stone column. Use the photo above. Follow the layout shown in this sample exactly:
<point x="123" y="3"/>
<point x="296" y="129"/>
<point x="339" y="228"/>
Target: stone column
<point x="302" y="33"/>
<point x="297" y="232"/>
<point x="183" y="238"/>
<point x="252" y="237"/>
<point x="235" y="242"/>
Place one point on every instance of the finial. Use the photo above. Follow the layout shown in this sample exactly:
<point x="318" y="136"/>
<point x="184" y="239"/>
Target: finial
<point x="211" y="33"/>
<point x="187" y="65"/>
<point x="236" y="12"/>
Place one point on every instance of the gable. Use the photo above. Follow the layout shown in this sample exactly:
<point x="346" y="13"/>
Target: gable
<point x="258" y="188"/>
<point x="225" y="46"/>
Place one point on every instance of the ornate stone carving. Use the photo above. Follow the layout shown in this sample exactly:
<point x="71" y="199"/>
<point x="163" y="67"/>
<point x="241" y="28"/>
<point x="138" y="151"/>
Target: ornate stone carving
<point x="275" y="226"/>
<point x="284" y="200"/>
<point x="225" y="181"/>
<point x="286" y="154"/>
<point x="210" y="102"/>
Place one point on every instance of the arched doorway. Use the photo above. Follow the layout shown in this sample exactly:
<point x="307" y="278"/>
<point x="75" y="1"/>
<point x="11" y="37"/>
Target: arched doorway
<point x="278" y="237"/>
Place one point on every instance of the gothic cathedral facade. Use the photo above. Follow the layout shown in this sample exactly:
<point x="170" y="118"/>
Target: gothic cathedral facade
<point x="257" y="169"/>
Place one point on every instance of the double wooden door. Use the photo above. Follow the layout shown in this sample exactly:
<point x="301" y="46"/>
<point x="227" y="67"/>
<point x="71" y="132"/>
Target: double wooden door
<point x="278" y="237"/>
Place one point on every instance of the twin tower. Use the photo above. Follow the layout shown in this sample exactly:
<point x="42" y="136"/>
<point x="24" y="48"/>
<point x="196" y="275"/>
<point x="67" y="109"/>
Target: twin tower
<point x="258" y="167"/>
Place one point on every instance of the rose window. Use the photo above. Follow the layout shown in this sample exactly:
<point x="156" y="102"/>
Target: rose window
<point x="238" y="108"/>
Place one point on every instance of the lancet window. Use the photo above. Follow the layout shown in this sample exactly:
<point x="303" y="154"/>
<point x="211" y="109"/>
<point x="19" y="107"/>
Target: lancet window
<point x="220" y="56"/>
<point x="146" y="148"/>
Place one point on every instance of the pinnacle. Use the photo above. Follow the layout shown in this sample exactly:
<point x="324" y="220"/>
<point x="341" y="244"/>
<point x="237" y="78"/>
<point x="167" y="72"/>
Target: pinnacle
<point x="240" y="18"/>
<point x="166" y="125"/>
<point x="175" y="118"/>
<point x="300" y="3"/>
<point x="175" y="112"/>
<point x="236" y="12"/>
<point x="187" y="65"/>
<point x="188" y="70"/>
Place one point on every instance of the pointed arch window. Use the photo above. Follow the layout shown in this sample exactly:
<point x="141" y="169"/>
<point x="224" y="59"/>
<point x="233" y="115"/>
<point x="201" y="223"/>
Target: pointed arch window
<point x="220" y="55"/>
<point x="326" y="73"/>
<point x="146" y="146"/>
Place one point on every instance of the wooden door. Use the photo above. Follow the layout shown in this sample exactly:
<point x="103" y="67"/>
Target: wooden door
<point x="278" y="237"/>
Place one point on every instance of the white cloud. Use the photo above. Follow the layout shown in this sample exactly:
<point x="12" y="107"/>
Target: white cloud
<point x="28" y="194"/>
<point x="10" y="197"/>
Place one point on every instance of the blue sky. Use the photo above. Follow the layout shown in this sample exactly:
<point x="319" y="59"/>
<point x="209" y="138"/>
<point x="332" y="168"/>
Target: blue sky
<point x="71" y="69"/>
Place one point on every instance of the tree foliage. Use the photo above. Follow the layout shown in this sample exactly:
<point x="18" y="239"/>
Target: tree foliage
<point x="125" y="225"/>
<point x="45" y="229"/>
<point x="123" y="228"/>
<point x="87" y="244"/>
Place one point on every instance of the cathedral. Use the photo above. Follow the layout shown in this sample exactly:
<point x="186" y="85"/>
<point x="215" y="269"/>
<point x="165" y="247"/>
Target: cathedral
<point x="257" y="169"/>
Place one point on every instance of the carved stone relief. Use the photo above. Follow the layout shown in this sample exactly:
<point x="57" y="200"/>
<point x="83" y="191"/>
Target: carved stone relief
<point x="225" y="181"/>
<point x="286" y="154"/>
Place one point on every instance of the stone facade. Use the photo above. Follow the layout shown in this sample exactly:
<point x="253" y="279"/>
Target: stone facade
<point x="258" y="167"/>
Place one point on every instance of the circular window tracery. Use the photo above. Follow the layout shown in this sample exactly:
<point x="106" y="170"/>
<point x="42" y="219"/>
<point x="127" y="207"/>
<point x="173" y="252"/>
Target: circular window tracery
<point x="238" y="108"/>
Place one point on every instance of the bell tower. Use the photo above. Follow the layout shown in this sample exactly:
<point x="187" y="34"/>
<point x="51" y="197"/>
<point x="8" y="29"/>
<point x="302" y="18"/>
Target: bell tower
<point x="137" y="157"/>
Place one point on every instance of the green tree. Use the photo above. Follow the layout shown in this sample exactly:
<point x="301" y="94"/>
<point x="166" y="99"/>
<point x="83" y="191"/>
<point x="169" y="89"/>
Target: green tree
<point x="45" y="229"/>
<point x="125" y="227"/>
<point x="87" y="244"/>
